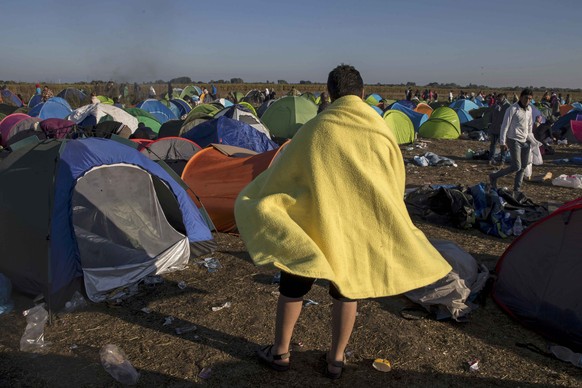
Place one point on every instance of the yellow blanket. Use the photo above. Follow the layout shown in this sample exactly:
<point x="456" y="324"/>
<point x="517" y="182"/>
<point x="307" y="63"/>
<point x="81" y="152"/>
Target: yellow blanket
<point x="332" y="207"/>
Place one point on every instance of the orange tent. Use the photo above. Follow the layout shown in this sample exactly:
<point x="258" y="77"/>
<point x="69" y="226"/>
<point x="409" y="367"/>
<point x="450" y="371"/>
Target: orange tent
<point x="424" y="109"/>
<point x="217" y="174"/>
<point x="565" y="109"/>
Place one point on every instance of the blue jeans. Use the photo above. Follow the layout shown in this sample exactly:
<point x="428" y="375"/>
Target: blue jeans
<point x="519" y="160"/>
<point x="494" y="140"/>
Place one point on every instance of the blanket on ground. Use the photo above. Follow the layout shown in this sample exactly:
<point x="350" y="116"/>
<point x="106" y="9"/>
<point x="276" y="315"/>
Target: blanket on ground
<point x="331" y="207"/>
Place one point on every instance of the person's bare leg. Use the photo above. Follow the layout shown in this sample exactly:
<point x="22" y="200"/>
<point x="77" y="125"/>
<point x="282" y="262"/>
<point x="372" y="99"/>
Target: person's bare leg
<point x="288" y="310"/>
<point x="343" y="317"/>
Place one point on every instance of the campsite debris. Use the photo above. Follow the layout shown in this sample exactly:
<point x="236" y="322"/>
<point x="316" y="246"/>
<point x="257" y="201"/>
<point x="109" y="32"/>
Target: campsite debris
<point x="566" y="354"/>
<point x="205" y="373"/>
<point x="117" y="365"/>
<point x="77" y="302"/>
<point x="309" y="302"/>
<point x="473" y="365"/>
<point x="146" y="310"/>
<point x="382" y="365"/>
<point x="469" y="154"/>
<point x="211" y="263"/>
<point x="517" y="226"/>
<point x="276" y="278"/>
<point x="563" y="142"/>
<point x="186" y="329"/>
<point x="182" y="285"/>
<point x="421" y="161"/>
<point x="73" y="346"/>
<point x="152" y="280"/>
<point x="297" y="345"/>
<point x="168" y="320"/>
<point x="409" y="148"/>
<point x="275" y="293"/>
<point x="6" y="304"/>
<point x="574" y="181"/>
<point x="218" y="308"/>
<point x="33" y="337"/>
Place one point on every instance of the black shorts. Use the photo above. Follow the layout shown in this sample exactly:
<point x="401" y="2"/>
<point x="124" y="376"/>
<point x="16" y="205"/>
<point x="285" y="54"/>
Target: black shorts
<point x="293" y="286"/>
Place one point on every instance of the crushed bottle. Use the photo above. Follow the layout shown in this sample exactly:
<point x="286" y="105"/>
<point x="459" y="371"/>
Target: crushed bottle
<point x="117" y="365"/>
<point x="33" y="338"/>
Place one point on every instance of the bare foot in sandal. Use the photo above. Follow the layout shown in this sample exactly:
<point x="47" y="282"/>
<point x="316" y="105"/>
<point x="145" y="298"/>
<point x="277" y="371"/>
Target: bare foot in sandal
<point x="278" y="362"/>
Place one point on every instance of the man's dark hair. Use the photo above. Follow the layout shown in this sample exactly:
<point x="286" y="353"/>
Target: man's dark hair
<point x="344" y="80"/>
<point x="526" y="92"/>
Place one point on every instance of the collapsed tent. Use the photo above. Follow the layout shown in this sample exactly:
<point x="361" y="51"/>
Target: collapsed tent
<point x="286" y="115"/>
<point x="174" y="151"/>
<point x="161" y="112"/>
<point x="241" y="113"/>
<point x="54" y="107"/>
<point x="538" y="277"/>
<point x="90" y="115"/>
<point x="217" y="175"/>
<point x="443" y="124"/>
<point x="91" y="209"/>
<point x="230" y="132"/>
<point x="401" y="125"/>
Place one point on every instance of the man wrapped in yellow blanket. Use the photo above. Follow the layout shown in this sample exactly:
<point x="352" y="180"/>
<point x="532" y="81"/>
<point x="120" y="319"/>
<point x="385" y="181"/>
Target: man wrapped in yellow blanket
<point x="332" y="207"/>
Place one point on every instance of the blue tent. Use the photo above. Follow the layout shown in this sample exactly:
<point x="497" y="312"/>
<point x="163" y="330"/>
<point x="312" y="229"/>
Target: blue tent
<point x="407" y="103"/>
<point x="377" y="109"/>
<point x="34" y="100"/>
<point x="55" y="107"/>
<point x="8" y="96"/>
<point x="467" y="105"/>
<point x="158" y="110"/>
<point x="71" y="236"/>
<point x="564" y="121"/>
<point x="183" y="107"/>
<point x="464" y="116"/>
<point x="417" y="118"/>
<point x="224" y="130"/>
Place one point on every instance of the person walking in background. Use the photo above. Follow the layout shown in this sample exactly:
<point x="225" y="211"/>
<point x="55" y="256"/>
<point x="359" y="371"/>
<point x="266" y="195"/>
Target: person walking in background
<point x="299" y="216"/>
<point x="494" y="130"/>
<point x="516" y="131"/>
<point x="323" y="102"/>
<point x="38" y="90"/>
<point x="451" y="96"/>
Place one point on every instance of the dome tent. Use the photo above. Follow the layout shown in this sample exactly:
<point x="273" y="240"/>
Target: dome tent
<point x="416" y="118"/>
<point x="55" y="107"/>
<point x="145" y="117"/>
<point x="286" y="115"/>
<point x="443" y="124"/>
<point x="401" y="125"/>
<point x="161" y="112"/>
<point x="95" y="227"/>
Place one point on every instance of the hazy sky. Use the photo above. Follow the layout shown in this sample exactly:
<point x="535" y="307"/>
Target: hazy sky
<point x="492" y="42"/>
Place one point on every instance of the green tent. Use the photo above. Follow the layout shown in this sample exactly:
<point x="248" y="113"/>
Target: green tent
<point x="286" y="115"/>
<point x="401" y="125"/>
<point x="249" y="107"/>
<point x="105" y="100"/>
<point x="190" y="90"/>
<point x="442" y="124"/>
<point x="202" y="111"/>
<point x="236" y="97"/>
<point x="310" y="96"/>
<point x="145" y="117"/>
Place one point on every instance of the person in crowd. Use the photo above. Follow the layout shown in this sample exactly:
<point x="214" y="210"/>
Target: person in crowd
<point x="568" y="99"/>
<point x="451" y="96"/>
<point x="516" y="129"/>
<point x="299" y="216"/>
<point x="323" y="102"/>
<point x="94" y="99"/>
<point x="152" y="92"/>
<point x="435" y="96"/>
<point x="495" y="125"/>
<point x="170" y="90"/>
<point x="46" y="94"/>
<point x="38" y="90"/>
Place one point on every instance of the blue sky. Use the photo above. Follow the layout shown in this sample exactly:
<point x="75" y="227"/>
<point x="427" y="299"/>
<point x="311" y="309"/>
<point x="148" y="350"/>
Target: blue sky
<point x="492" y="42"/>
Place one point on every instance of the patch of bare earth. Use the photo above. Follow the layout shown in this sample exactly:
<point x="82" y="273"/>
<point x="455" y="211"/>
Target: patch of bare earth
<point x="423" y="352"/>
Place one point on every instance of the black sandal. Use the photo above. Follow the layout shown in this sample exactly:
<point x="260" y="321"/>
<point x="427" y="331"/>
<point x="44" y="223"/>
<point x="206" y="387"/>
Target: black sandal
<point x="266" y="356"/>
<point x="336" y="364"/>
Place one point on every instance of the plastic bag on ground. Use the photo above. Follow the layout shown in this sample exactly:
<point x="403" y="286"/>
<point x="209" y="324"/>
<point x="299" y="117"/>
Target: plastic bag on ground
<point x="117" y="365"/>
<point x="33" y="337"/>
<point x="574" y="181"/>
<point x="6" y="303"/>
<point x="77" y="302"/>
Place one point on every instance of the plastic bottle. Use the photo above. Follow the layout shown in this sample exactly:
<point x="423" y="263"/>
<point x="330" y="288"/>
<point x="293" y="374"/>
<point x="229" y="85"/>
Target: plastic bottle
<point x="117" y="365"/>
<point x="517" y="226"/>
<point x="565" y="354"/>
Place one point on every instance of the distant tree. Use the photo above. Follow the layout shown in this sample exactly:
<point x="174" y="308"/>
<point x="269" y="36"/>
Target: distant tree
<point x="237" y="81"/>
<point x="304" y="82"/>
<point x="181" y="80"/>
<point x="282" y="82"/>
<point x="411" y="84"/>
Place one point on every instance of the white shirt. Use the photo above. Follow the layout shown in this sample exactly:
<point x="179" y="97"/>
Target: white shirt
<point x="517" y="124"/>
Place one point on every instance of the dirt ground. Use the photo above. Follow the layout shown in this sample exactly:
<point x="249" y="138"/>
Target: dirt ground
<point x="423" y="352"/>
